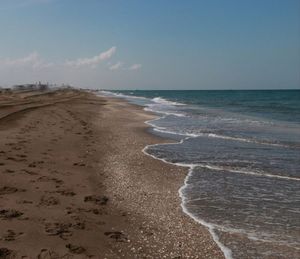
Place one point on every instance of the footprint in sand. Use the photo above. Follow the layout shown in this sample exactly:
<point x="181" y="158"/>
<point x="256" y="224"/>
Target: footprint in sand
<point x="10" y="144"/>
<point x="79" y="164"/>
<point x="10" y="214"/>
<point x="59" y="229"/>
<point x="29" y="172"/>
<point x="48" y="254"/>
<point x="48" y="201"/>
<point x="32" y="165"/>
<point x="10" y="235"/>
<point x="49" y="179"/>
<point x="16" y="159"/>
<point x="99" y="200"/>
<point x="24" y="202"/>
<point x="74" y="249"/>
<point x="66" y="192"/>
<point x="21" y="155"/>
<point x="9" y="171"/>
<point x="6" y="253"/>
<point x="117" y="236"/>
<point x="9" y="190"/>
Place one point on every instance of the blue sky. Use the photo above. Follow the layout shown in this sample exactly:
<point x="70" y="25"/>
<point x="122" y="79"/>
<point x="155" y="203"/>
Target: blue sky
<point x="151" y="44"/>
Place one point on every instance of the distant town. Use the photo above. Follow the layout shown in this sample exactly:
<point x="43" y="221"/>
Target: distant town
<point x="40" y="86"/>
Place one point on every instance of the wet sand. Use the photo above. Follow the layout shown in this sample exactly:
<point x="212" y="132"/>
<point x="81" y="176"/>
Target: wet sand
<point x="74" y="182"/>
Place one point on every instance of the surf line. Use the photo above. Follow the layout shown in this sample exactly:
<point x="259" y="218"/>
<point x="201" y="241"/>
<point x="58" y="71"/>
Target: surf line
<point x="211" y="228"/>
<point x="211" y="167"/>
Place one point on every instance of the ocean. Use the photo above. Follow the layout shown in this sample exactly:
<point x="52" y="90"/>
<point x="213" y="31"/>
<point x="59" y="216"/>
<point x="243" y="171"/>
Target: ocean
<point x="242" y="149"/>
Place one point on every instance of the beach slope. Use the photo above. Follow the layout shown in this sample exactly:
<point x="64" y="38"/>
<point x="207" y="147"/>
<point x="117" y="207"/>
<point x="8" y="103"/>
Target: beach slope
<point x="76" y="184"/>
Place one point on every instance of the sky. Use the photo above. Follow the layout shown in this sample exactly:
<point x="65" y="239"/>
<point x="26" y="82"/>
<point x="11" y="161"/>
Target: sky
<point x="151" y="44"/>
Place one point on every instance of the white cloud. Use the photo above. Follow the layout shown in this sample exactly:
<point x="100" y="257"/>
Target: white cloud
<point x="33" y="67"/>
<point x="93" y="61"/>
<point x="135" y="67"/>
<point x="36" y="62"/>
<point x="116" y="66"/>
<point x="33" y="60"/>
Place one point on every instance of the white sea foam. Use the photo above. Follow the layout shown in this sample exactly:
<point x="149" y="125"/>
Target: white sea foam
<point x="199" y="134"/>
<point x="163" y="130"/>
<point x="164" y="101"/>
<point x="108" y="93"/>
<point x="218" y="168"/>
<point x="244" y="140"/>
<point x="177" y="114"/>
<point x="226" y="251"/>
<point x="211" y="227"/>
<point x="240" y="171"/>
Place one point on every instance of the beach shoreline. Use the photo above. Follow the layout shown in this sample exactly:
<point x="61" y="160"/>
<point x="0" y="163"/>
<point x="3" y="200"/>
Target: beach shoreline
<point x="75" y="178"/>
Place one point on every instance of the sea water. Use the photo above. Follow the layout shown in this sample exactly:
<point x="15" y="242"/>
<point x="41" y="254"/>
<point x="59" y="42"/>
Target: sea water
<point x="243" y="151"/>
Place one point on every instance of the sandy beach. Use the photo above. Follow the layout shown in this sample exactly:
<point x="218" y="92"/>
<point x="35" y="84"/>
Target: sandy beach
<point x="76" y="184"/>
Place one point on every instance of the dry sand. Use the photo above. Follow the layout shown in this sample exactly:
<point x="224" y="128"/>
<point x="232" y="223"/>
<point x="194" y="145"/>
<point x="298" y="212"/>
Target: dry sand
<point x="74" y="183"/>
